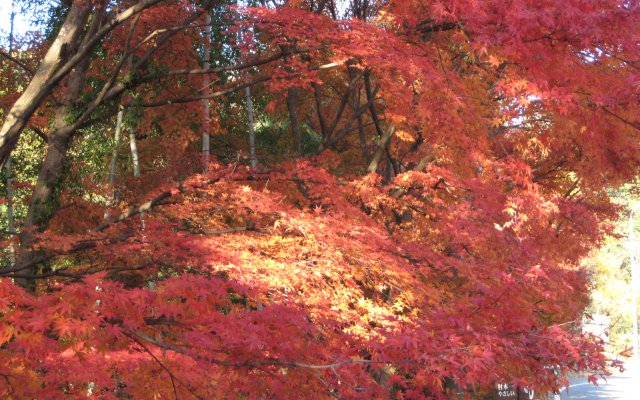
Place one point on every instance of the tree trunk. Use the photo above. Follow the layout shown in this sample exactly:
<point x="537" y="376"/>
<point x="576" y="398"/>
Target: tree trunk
<point x="135" y="160"/>
<point x="252" y="139"/>
<point x="317" y="94"/>
<point x="380" y="151"/>
<point x="57" y="148"/>
<point x="292" y="104"/>
<point x="41" y="207"/>
<point x="10" y="211"/>
<point x="41" y="84"/>
<point x="372" y="107"/>
<point x="114" y="160"/>
<point x="363" y="139"/>
<point x="206" y="117"/>
<point x="135" y="163"/>
<point x="356" y="106"/>
<point x="9" y="172"/>
<point x="114" y="154"/>
<point x="385" y="136"/>
<point x="68" y="50"/>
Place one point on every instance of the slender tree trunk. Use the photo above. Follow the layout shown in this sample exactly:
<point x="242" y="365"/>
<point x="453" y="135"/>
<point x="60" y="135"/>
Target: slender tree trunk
<point x="9" y="172"/>
<point x="328" y="138"/>
<point x="114" y="154"/>
<point x="388" y="171"/>
<point x="380" y="151"/>
<point x="292" y="104"/>
<point x="252" y="139"/>
<point x="135" y="160"/>
<point x="356" y="106"/>
<point x="318" y="97"/>
<point x="363" y="139"/>
<point x="372" y="107"/>
<point x="10" y="213"/>
<point x="114" y="160"/>
<point x="385" y="136"/>
<point x="206" y="118"/>
<point x="135" y="163"/>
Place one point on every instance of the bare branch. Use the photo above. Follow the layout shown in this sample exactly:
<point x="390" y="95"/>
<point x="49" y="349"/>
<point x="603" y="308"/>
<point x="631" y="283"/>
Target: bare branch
<point x="213" y="95"/>
<point x="40" y="133"/>
<point x="17" y="62"/>
<point x="241" y="66"/>
<point x="621" y="119"/>
<point x="134" y="211"/>
<point x="255" y="364"/>
<point x="228" y="90"/>
<point x="79" y="246"/>
<point x="427" y="27"/>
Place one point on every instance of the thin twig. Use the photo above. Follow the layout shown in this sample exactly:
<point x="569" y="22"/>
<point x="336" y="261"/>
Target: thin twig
<point x="171" y="375"/>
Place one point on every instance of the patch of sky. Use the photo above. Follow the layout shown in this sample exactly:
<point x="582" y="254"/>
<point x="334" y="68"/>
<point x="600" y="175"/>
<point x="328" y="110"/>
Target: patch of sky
<point x="28" y="16"/>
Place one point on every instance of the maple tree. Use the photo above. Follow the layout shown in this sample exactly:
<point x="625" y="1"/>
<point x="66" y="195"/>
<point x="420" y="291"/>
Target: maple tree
<point x="432" y="174"/>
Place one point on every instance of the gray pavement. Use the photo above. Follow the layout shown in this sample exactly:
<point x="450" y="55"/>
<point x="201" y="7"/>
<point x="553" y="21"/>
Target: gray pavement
<point x="619" y="386"/>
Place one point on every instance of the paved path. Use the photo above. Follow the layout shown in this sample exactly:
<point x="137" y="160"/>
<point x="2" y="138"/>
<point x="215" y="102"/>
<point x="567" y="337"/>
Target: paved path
<point x="620" y="386"/>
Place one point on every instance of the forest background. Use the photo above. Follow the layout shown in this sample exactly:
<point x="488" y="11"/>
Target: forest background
<point x="314" y="199"/>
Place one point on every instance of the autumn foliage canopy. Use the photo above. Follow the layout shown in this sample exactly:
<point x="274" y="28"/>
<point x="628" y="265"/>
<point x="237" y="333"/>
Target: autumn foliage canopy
<point x="430" y="174"/>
